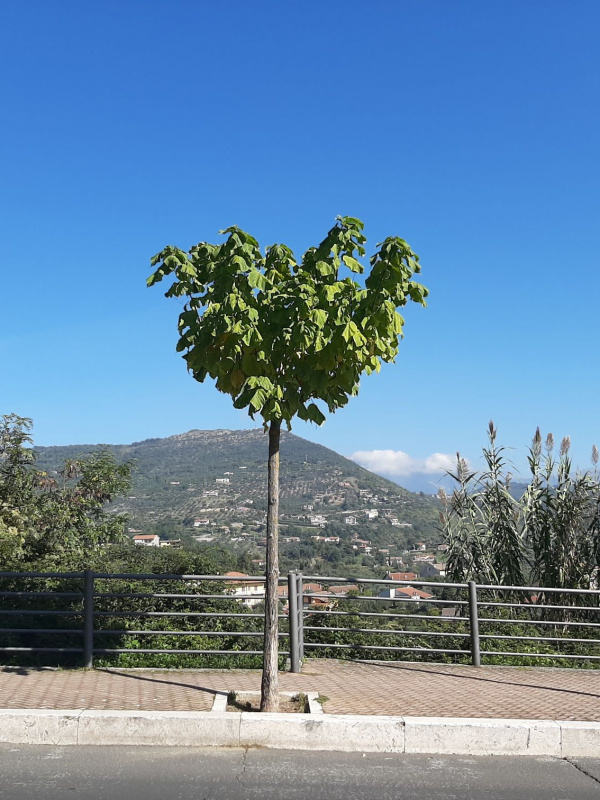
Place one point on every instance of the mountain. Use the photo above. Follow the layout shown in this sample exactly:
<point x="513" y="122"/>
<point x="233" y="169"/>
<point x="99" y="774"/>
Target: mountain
<point x="181" y="481"/>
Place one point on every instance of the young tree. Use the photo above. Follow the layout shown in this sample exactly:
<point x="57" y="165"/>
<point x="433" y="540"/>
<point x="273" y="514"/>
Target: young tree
<point x="279" y="333"/>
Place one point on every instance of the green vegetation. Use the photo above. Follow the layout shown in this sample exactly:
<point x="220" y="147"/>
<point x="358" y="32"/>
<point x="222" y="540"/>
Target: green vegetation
<point x="61" y="522"/>
<point x="66" y="521"/>
<point x="549" y="536"/>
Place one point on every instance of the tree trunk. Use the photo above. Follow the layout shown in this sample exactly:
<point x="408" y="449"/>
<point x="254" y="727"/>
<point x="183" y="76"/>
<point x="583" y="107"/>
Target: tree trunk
<point x="269" y="700"/>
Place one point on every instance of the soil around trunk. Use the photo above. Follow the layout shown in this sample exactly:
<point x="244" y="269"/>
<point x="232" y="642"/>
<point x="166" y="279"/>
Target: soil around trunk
<point x="250" y="701"/>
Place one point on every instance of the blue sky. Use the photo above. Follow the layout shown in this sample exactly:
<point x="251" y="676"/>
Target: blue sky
<point x="470" y="129"/>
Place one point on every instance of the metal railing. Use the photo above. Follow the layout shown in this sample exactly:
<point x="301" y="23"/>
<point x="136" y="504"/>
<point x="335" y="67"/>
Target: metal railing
<point x="91" y="615"/>
<point x="96" y="611"/>
<point x="473" y="636"/>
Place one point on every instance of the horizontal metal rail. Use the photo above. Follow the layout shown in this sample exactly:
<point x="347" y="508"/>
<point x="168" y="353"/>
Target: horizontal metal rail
<point x="535" y="606"/>
<point x="41" y="649"/>
<point x="157" y="576"/>
<point x="384" y="582"/>
<point x="175" y="596"/>
<point x="416" y="602"/>
<point x="236" y="597"/>
<point x="41" y="594"/>
<point x="133" y="651"/>
<point x="220" y="614"/>
<point x="556" y="623"/>
<point x="41" y="575"/>
<point x="536" y="589"/>
<point x="71" y="631"/>
<point x="184" y="633"/>
<point x="386" y="632"/>
<point x="390" y="615"/>
<point x="382" y="647"/>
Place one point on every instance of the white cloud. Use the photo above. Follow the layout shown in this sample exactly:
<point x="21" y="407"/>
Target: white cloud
<point x="399" y="464"/>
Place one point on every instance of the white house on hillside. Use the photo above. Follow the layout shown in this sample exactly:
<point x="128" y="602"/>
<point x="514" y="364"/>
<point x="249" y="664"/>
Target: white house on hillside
<point x="147" y="539"/>
<point x="248" y="592"/>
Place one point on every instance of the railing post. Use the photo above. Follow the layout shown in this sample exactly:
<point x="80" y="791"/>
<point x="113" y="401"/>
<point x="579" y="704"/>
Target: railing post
<point x="88" y="619"/>
<point x="293" y="623"/>
<point x="300" y="602"/>
<point x="474" y="625"/>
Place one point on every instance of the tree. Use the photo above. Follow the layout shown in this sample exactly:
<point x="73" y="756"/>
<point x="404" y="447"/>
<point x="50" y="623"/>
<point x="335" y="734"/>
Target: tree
<point x="55" y="519"/>
<point x="277" y="334"/>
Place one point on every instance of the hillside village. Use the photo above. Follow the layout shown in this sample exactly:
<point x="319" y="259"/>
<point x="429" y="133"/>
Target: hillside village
<point x="209" y="488"/>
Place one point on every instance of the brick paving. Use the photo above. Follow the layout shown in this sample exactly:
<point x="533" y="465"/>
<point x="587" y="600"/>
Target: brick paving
<point x="351" y="688"/>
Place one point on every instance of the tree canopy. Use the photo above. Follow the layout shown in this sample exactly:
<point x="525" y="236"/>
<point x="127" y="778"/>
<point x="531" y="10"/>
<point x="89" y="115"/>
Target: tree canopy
<point x="55" y="518"/>
<point x="278" y="333"/>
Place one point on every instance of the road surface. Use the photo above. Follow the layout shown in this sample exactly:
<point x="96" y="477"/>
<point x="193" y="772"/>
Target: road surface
<point x="30" y="772"/>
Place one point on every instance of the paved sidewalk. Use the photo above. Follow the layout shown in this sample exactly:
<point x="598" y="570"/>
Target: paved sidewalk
<point x="399" y="689"/>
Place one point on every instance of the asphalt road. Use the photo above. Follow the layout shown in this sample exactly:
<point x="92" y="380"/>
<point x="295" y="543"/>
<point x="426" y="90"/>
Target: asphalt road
<point x="168" y="773"/>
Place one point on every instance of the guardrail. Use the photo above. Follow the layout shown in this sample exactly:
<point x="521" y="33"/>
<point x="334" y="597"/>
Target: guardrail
<point x="458" y="627"/>
<point x="96" y="611"/>
<point x="374" y="618"/>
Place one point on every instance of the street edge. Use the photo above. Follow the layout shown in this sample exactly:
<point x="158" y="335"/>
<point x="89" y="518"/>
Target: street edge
<point x="344" y="733"/>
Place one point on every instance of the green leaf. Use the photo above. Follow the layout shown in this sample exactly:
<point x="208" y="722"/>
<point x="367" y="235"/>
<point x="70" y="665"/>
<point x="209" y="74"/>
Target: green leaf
<point x="258" y="399"/>
<point x="352" y="264"/>
<point x="257" y="280"/>
<point x="314" y="414"/>
<point x="323" y="268"/>
<point x="319" y="317"/>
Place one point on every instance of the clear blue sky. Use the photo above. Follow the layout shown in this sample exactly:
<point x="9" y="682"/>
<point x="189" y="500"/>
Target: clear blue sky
<point x="469" y="128"/>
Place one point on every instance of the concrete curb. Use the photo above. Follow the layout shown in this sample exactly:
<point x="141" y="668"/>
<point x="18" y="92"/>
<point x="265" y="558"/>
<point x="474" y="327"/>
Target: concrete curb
<point x="346" y="733"/>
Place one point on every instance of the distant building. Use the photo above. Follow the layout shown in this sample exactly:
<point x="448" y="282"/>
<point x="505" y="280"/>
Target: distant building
<point x="222" y="480"/>
<point x="396" y="561"/>
<point x="248" y="592"/>
<point x="147" y="539"/>
<point x="405" y="593"/>
<point x="199" y="521"/>
<point x="351" y="520"/>
<point x="432" y="570"/>
<point x="401" y="576"/>
<point x="372" y="513"/>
